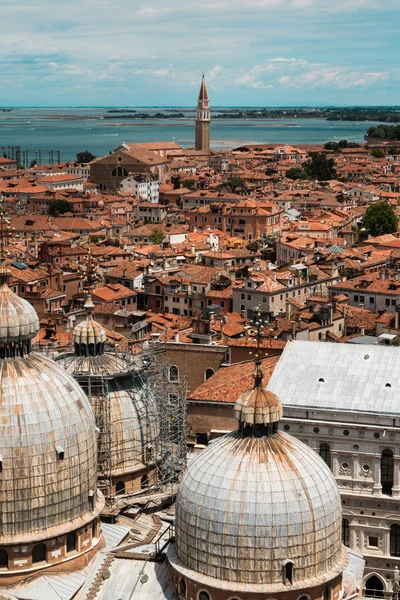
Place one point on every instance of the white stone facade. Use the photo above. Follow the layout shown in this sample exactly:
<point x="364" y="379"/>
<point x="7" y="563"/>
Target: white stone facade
<point x="342" y="400"/>
<point x="147" y="190"/>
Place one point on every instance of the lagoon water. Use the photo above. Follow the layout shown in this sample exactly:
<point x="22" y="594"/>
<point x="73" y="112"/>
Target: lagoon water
<point x="75" y="129"/>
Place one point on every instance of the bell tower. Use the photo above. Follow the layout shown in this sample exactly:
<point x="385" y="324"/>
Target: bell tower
<point x="203" y="120"/>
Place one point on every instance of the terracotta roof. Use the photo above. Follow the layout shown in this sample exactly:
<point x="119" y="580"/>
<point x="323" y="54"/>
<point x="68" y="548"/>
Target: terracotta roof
<point x="229" y="382"/>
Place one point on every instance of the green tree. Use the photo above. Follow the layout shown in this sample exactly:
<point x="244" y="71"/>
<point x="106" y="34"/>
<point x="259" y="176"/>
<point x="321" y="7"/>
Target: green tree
<point x="234" y="185"/>
<point x="379" y="219"/>
<point x="320" y="167"/>
<point x="85" y="157"/>
<point x="59" y="207"/>
<point x="378" y="152"/>
<point x="253" y="246"/>
<point x="190" y="184"/>
<point x="157" y="236"/>
<point x="297" y="173"/>
<point x="384" y="132"/>
<point x="176" y="181"/>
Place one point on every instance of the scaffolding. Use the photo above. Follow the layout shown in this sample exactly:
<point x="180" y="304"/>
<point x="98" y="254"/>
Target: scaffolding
<point x="170" y="395"/>
<point x="103" y="421"/>
<point x="159" y="403"/>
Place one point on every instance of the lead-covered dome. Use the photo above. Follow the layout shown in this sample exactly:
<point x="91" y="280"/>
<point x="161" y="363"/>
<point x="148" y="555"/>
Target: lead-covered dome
<point x="48" y="447"/>
<point x="247" y="505"/>
<point x="258" y="510"/>
<point x="48" y="443"/>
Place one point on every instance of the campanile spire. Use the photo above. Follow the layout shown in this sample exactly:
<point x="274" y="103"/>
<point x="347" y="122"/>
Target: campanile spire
<point x="203" y="119"/>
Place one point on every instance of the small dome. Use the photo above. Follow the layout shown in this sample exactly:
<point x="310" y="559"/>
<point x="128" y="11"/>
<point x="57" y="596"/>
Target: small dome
<point x="19" y="322"/>
<point x="258" y="406"/>
<point x="89" y="332"/>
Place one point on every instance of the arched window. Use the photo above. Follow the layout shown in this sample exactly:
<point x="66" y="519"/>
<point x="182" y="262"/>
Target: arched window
<point x="288" y="572"/>
<point x="144" y="482"/>
<point x="182" y="588"/>
<point x="173" y="373"/>
<point x="120" y="487"/>
<point x="374" y="587"/>
<point x="71" y="542"/>
<point x="119" y="172"/>
<point x="3" y="559"/>
<point x="39" y="553"/>
<point x="209" y="373"/>
<point x="204" y="596"/>
<point x="346" y="532"/>
<point x="395" y="540"/>
<point x="387" y="472"/>
<point x="325" y="454"/>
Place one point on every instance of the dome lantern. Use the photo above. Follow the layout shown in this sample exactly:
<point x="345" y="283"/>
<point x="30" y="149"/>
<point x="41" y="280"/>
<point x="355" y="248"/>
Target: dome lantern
<point x="258" y="410"/>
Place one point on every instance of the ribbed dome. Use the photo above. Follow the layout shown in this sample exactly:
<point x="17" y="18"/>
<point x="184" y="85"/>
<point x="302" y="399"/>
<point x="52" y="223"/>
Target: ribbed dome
<point x="254" y="501"/>
<point x="258" y="406"/>
<point x="134" y="426"/>
<point x="248" y="504"/>
<point x="19" y="322"/>
<point x="89" y="332"/>
<point x="48" y="447"/>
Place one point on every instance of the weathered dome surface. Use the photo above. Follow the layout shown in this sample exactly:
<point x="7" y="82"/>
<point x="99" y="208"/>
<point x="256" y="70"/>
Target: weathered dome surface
<point x="18" y="319"/>
<point x="134" y="425"/>
<point x="48" y="451"/>
<point x="247" y="504"/>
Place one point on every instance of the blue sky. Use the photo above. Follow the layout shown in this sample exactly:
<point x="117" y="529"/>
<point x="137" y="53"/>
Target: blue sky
<point x="254" y="52"/>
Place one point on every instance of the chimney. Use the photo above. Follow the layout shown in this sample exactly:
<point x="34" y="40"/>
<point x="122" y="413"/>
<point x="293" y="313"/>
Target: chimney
<point x="362" y="330"/>
<point x="177" y="337"/>
<point x="382" y="275"/>
<point x="288" y="309"/>
<point x="273" y="277"/>
<point x="293" y="330"/>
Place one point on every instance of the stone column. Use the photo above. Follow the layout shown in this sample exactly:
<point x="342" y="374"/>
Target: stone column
<point x="335" y="465"/>
<point x="356" y="471"/>
<point x="386" y="541"/>
<point x="377" y="489"/>
<point x="396" y="478"/>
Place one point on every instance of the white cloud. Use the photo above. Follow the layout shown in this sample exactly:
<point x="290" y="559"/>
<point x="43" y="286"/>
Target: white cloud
<point x="340" y="78"/>
<point x="213" y="73"/>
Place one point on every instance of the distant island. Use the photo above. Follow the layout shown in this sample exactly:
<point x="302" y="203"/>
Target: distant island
<point x="143" y="115"/>
<point x="380" y="114"/>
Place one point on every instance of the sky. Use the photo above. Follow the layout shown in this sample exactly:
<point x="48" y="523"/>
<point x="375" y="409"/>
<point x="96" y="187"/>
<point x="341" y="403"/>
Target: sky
<point x="253" y="52"/>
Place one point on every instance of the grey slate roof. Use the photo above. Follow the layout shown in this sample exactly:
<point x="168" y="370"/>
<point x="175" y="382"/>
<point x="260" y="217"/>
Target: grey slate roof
<point x="346" y="377"/>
